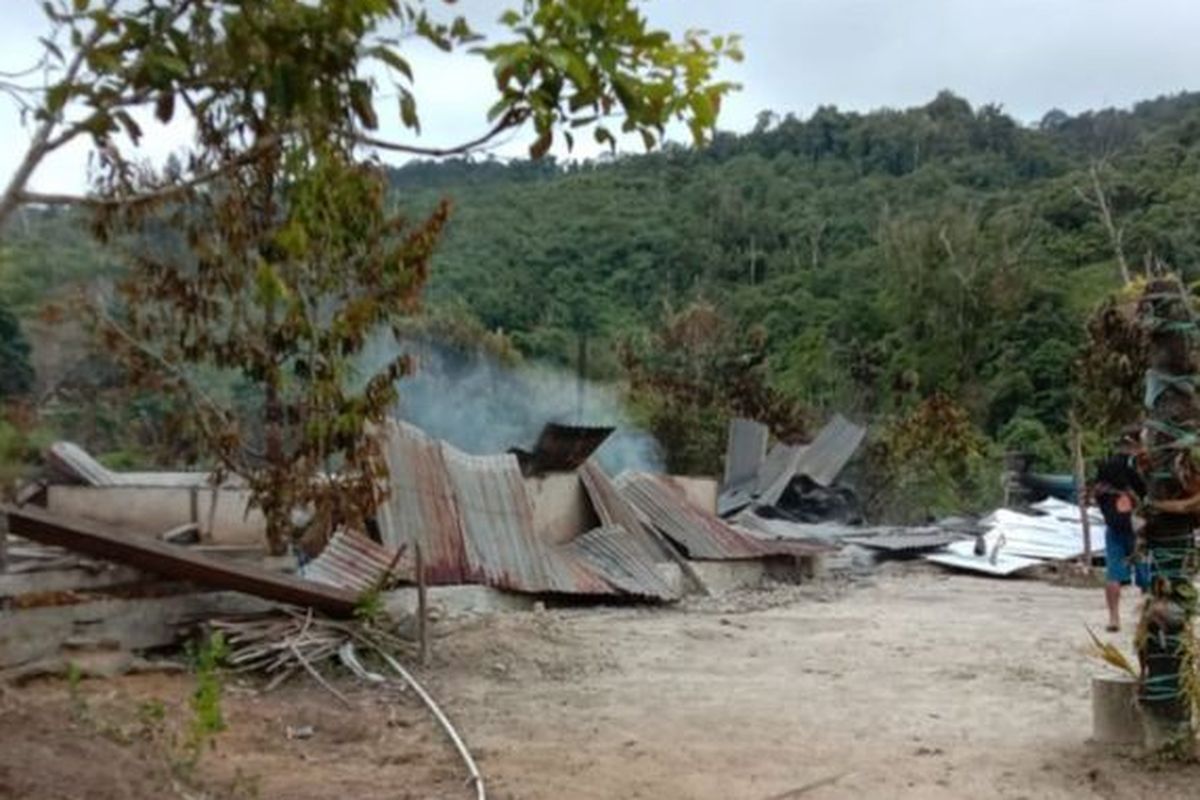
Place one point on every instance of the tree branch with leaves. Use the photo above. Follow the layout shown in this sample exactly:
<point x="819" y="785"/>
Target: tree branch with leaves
<point x="268" y="256"/>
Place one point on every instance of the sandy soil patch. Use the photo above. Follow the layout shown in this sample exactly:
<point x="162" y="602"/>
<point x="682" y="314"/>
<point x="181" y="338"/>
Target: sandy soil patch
<point x="913" y="684"/>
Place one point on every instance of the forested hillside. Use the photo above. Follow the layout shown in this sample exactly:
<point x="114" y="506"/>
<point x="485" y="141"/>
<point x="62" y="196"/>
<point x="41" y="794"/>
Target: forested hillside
<point x="887" y="256"/>
<point x="855" y="262"/>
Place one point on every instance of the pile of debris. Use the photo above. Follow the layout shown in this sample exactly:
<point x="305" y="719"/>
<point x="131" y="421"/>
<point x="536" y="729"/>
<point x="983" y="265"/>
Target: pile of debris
<point x="1008" y="542"/>
<point x="130" y="559"/>
<point x="795" y="492"/>
<point x="793" y="482"/>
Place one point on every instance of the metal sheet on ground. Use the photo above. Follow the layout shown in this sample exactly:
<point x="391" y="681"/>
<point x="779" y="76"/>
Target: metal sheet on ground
<point x="955" y="557"/>
<point x="905" y="542"/>
<point x="618" y="556"/>
<point x="497" y="522"/>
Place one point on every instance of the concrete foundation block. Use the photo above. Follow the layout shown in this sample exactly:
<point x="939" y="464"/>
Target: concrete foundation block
<point x="453" y="601"/>
<point x="793" y="569"/>
<point x="725" y="576"/>
<point x="672" y="573"/>
<point x="1116" y="718"/>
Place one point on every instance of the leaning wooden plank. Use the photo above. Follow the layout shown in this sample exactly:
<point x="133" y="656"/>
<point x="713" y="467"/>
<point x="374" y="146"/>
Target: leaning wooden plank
<point x="170" y="561"/>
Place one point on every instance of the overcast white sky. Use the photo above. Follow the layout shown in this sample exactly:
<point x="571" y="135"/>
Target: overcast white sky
<point x="1027" y="55"/>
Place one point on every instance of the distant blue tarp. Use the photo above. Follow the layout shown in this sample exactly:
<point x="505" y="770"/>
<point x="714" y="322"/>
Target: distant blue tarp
<point x="1061" y="487"/>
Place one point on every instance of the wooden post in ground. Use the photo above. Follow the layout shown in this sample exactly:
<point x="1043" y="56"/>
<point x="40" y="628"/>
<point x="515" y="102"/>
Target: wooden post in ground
<point x="1165" y="648"/>
<point x="422" y="606"/>
<point x="1081" y="493"/>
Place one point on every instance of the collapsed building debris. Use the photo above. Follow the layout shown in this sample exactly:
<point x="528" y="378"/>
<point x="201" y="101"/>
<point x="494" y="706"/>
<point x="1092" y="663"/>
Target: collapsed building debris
<point x="77" y="485"/>
<point x="352" y="561"/>
<point x="791" y="492"/>
<point x="701" y="535"/>
<point x="471" y="518"/>
<point x="793" y="482"/>
<point x="1014" y="541"/>
<point x="467" y="519"/>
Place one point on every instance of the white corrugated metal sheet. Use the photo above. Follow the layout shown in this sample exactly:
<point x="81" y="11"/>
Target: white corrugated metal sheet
<point x="961" y="555"/>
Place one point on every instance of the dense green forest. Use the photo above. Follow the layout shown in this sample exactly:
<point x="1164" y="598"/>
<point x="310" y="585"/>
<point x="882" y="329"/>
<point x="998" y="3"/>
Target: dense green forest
<point x="887" y="256"/>
<point x="863" y="262"/>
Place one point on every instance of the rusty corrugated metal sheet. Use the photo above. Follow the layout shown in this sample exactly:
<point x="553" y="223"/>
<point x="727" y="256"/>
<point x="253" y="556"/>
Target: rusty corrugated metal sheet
<point x="562" y="448"/>
<point x="350" y="561"/>
<point x="613" y="510"/>
<point x="420" y="505"/>
<point x="620" y="558"/>
<point x="497" y="524"/>
<point x="701" y="535"/>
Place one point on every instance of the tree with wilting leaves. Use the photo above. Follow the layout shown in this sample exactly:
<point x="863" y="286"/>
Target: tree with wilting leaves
<point x="693" y="374"/>
<point x="927" y="461"/>
<point x="268" y="253"/>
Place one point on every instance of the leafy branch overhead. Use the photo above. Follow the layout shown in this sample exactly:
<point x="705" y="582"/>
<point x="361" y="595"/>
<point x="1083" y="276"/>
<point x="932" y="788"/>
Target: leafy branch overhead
<point x="570" y="64"/>
<point x="579" y="62"/>
<point x="266" y="258"/>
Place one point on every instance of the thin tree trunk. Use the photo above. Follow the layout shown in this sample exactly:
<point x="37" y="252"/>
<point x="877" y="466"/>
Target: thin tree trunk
<point x="1115" y="234"/>
<point x="1081" y="493"/>
<point x="581" y="366"/>
<point x="41" y="145"/>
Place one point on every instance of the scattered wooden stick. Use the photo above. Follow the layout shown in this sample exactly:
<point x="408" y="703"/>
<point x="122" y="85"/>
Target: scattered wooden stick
<point x="422" y="606"/>
<point x="282" y="647"/>
<point x="791" y="794"/>
<point x="320" y="679"/>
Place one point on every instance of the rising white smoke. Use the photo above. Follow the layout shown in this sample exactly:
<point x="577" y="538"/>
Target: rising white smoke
<point x="482" y="406"/>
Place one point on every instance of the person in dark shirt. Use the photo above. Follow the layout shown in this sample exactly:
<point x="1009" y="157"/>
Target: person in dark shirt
<point x="1117" y="489"/>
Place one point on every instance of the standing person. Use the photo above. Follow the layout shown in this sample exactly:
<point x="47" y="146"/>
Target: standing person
<point x="1118" y="488"/>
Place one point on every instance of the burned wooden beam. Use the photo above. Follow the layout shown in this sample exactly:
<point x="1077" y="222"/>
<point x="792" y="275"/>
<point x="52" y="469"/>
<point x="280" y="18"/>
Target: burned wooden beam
<point x="103" y="541"/>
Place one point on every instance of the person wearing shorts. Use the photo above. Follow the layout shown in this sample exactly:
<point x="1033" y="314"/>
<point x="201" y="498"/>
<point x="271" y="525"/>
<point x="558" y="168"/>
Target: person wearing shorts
<point x="1117" y="489"/>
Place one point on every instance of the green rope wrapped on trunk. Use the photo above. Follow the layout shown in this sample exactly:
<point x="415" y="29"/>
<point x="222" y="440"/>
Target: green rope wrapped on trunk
<point x="1165" y="639"/>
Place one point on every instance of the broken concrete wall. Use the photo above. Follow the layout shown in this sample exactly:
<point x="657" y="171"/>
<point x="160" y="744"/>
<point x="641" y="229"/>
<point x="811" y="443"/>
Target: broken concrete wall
<point x="31" y="634"/>
<point x="153" y="510"/>
<point x="561" y="509"/>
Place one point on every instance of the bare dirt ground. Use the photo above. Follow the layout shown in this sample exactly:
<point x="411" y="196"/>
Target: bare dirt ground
<point x="914" y="684"/>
